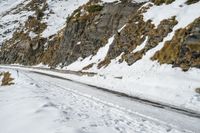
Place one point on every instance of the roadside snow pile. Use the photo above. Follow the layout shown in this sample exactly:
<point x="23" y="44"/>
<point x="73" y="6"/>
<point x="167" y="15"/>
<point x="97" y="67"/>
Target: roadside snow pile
<point x="22" y="110"/>
<point x="148" y="79"/>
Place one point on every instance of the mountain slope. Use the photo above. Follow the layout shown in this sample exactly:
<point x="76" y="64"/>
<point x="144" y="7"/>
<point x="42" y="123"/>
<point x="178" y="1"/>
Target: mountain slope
<point x="147" y="49"/>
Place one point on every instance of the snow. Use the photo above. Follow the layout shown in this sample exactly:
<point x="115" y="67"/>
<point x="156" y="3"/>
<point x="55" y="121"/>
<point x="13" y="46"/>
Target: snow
<point x="14" y="14"/>
<point x="57" y="13"/>
<point x="78" y="43"/>
<point x="149" y="80"/>
<point x="32" y="35"/>
<point x="6" y="5"/>
<point x="41" y="65"/>
<point x="55" y="16"/>
<point x="140" y="47"/>
<point x="140" y="1"/>
<point x="109" y="1"/>
<point x="178" y="8"/>
<point x="122" y="28"/>
<point x="145" y="78"/>
<point x="101" y="54"/>
<point x="33" y="97"/>
<point x="134" y="1"/>
<point x="10" y="20"/>
<point x="37" y="103"/>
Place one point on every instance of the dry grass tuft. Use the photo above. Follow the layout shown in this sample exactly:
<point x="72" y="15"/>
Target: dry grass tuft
<point x="7" y="79"/>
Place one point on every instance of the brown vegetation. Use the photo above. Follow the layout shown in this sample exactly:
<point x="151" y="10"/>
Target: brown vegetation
<point x="7" y="79"/>
<point x="159" y="2"/>
<point x="197" y="90"/>
<point x="184" y="48"/>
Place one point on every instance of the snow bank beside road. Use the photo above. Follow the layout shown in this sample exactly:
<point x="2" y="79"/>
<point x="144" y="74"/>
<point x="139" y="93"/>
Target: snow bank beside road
<point x="161" y="84"/>
<point x="146" y="78"/>
<point x="38" y="104"/>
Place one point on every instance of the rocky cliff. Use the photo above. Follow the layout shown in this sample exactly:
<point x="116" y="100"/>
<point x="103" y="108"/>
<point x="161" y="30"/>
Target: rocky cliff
<point x="89" y="27"/>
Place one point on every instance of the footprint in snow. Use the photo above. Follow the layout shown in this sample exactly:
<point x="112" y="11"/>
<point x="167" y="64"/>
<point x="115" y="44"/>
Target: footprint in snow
<point x="49" y="104"/>
<point x="83" y="116"/>
<point x="36" y="85"/>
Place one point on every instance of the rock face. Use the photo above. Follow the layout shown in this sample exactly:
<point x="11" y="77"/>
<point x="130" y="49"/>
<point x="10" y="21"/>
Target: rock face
<point x="87" y="30"/>
<point x="91" y="25"/>
<point x="184" y="49"/>
<point x="26" y="45"/>
<point x="85" y="33"/>
<point x="134" y="34"/>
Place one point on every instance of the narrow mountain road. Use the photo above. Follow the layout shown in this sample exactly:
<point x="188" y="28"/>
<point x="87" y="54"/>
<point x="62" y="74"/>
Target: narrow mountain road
<point x="81" y="108"/>
<point x="133" y="98"/>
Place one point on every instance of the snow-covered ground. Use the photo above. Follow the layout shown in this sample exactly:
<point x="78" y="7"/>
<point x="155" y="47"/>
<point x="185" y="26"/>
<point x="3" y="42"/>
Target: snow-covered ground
<point x="145" y="78"/>
<point x="38" y="104"/>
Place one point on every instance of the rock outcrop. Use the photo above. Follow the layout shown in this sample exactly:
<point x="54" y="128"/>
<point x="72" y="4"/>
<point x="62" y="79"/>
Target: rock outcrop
<point x="88" y="29"/>
<point x="184" y="49"/>
<point x="91" y="25"/>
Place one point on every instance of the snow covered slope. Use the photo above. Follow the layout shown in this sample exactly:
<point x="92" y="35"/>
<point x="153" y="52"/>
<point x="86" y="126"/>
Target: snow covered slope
<point x="57" y="13"/>
<point x="146" y="78"/>
<point x="14" y="14"/>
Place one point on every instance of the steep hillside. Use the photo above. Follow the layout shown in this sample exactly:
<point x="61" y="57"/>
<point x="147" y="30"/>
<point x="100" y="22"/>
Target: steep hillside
<point x="141" y="48"/>
<point x="35" y="31"/>
<point x="90" y="24"/>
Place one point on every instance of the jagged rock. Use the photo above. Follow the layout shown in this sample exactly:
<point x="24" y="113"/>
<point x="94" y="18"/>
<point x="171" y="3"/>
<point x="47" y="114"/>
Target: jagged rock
<point x="83" y="35"/>
<point x="88" y="29"/>
<point x="93" y="30"/>
<point x="134" y="34"/>
<point x="21" y="48"/>
<point x="184" y="49"/>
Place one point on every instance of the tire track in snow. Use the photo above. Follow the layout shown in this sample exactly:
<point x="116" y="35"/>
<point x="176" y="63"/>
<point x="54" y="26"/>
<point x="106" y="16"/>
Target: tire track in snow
<point x="187" y="112"/>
